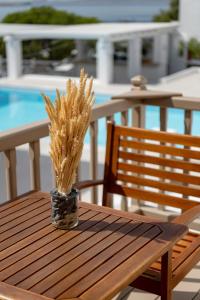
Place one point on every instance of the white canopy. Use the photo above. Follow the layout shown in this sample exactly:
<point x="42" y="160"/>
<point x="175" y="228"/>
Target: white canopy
<point x="113" y="31"/>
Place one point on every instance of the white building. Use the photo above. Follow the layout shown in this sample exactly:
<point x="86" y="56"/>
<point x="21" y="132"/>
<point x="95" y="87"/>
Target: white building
<point x="190" y="19"/>
<point x="166" y="39"/>
<point x="106" y="34"/>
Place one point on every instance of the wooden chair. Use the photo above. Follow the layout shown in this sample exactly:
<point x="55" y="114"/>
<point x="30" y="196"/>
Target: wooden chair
<point x="163" y="168"/>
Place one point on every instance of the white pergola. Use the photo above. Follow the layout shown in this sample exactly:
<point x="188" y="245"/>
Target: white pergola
<point x="105" y="34"/>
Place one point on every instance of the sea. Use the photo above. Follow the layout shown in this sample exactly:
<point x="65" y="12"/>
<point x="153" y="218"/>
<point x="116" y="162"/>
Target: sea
<point x="105" y="10"/>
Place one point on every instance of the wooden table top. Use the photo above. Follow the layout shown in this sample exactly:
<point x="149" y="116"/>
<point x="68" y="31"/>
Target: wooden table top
<point x="106" y="252"/>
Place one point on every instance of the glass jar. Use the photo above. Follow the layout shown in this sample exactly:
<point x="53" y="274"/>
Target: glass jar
<point x="64" y="209"/>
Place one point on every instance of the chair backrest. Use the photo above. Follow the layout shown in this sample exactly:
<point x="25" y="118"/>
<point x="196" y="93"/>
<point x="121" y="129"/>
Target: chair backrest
<point x="152" y="166"/>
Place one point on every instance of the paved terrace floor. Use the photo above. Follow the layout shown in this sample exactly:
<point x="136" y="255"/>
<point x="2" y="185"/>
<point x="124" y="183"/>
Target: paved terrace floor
<point x="48" y="82"/>
<point x="186" y="82"/>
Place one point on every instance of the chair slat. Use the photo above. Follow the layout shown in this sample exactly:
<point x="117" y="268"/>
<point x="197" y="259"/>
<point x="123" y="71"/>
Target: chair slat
<point x="152" y="196"/>
<point x="124" y="121"/>
<point x="172" y="138"/>
<point x="191" y="179"/>
<point x="151" y="166"/>
<point x="186" y="153"/>
<point x="177" y="164"/>
<point x="159" y="185"/>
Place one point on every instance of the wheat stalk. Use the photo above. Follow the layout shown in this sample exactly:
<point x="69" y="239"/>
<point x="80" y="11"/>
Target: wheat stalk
<point x="69" y="119"/>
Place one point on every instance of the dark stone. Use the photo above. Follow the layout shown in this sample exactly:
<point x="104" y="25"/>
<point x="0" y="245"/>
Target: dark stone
<point x="63" y="207"/>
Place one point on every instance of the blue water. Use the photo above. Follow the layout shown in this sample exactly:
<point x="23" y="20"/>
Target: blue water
<point x="19" y="107"/>
<point x="22" y="106"/>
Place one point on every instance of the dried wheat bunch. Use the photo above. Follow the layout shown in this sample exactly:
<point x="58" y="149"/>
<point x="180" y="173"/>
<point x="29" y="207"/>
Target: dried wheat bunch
<point x="69" y="120"/>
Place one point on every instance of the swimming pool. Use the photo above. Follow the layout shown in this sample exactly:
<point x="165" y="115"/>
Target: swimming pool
<point x="22" y="106"/>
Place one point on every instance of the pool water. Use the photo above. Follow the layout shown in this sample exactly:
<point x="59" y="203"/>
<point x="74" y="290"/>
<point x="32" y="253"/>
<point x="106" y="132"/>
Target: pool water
<point x="23" y="106"/>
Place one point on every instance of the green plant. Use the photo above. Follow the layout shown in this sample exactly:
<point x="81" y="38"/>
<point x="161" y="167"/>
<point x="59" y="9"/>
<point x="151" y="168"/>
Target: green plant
<point x="169" y="15"/>
<point x="46" y="15"/>
<point x="194" y="49"/>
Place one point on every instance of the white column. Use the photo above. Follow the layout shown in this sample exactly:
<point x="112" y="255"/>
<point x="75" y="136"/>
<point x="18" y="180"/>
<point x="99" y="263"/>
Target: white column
<point x="164" y="54"/>
<point x="177" y="60"/>
<point x="81" y="48"/>
<point x="134" y="56"/>
<point x="14" y="56"/>
<point x="104" y="60"/>
<point x="156" y="49"/>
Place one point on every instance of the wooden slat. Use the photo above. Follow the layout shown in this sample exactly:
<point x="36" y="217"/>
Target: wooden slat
<point x="159" y="185"/>
<point x="47" y="260"/>
<point x="188" y="121"/>
<point x="163" y="119"/>
<point x="39" y="222"/>
<point x="186" y="266"/>
<point x="163" y="127"/>
<point x="114" y="158"/>
<point x="187" y="130"/>
<point x="53" y="248"/>
<point x="118" y="242"/>
<point x="117" y="212"/>
<point x="166" y="275"/>
<point x="109" y="108"/>
<point x="146" y="94"/>
<point x="104" y="267"/>
<point x="34" y="148"/>
<point x="177" y="164"/>
<point x="7" y="217"/>
<point x="138" y="121"/>
<point x="152" y="197"/>
<point x="42" y="213"/>
<point x="138" y="116"/>
<point x="11" y="173"/>
<point x="188" y="217"/>
<point x="37" y="130"/>
<point x="94" y="157"/>
<point x="175" y="102"/>
<point x="172" y="138"/>
<point x="188" y="250"/>
<point x="108" y="201"/>
<point x="191" y="179"/>
<point x="63" y="266"/>
<point x="101" y="287"/>
<point x="19" y="250"/>
<point x="14" y="293"/>
<point x="50" y="275"/>
<point x="124" y="121"/>
<point x="18" y="205"/>
<point x="186" y="153"/>
<point x="34" y="209"/>
<point x="124" y="118"/>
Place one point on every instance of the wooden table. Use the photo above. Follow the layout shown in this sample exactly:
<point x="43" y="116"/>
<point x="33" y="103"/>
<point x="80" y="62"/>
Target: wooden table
<point x="105" y="253"/>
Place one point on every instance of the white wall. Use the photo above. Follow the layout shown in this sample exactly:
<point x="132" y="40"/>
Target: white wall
<point x="190" y="18"/>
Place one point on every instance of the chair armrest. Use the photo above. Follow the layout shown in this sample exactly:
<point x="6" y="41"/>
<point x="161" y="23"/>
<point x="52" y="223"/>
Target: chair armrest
<point x="87" y="183"/>
<point x="188" y="216"/>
